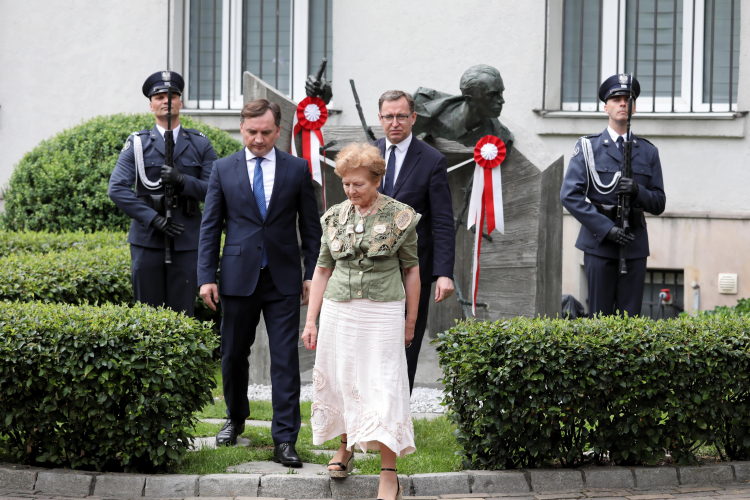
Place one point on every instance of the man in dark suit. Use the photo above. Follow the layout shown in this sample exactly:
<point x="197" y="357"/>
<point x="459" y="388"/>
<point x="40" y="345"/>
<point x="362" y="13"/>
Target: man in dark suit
<point x="259" y="193"/>
<point x="141" y="165"/>
<point x="416" y="174"/>
<point x="590" y="192"/>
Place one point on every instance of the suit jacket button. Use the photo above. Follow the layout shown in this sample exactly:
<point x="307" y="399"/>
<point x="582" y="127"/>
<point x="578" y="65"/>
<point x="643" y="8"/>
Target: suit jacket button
<point x="259" y="247"/>
<point x="264" y="227"/>
<point x="594" y="235"/>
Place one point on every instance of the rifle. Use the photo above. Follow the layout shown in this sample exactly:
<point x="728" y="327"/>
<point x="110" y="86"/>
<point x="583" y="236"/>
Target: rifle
<point x="623" y="206"/>
<point x="368" y="131"/>
<point x="321" y="69"/>
<point x="169" y="197"/>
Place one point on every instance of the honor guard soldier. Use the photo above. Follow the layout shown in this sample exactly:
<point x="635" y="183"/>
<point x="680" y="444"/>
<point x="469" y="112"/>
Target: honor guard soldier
<point x="591" y="191"/>
<point x="137" y="187"/>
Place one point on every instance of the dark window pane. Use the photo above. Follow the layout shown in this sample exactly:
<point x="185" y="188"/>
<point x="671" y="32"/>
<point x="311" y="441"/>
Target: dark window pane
<point x="662" y="43"/>
<point x="267" y="39"/>
<point x="320" y="36"/>
<point x="205" y="49"/>
<point x="725" y="37"/>
<point x="581" y="67"/>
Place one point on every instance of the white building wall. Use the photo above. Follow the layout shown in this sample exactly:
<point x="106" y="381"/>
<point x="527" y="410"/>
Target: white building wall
<point x="63" y="62"/>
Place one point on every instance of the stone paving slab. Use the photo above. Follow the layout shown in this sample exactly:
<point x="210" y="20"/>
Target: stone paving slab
<point x="267" y="479"/>
<point x="210" y="443"/>
<point x="115" y="485"/>
<point x="229" y="485"/>
<point x="264" y="468"/>
<point x="64" y="481"/>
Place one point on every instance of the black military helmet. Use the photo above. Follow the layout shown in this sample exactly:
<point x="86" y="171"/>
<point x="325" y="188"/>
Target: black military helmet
<point x="161" y="81"/>
<point x="619" y="85"/>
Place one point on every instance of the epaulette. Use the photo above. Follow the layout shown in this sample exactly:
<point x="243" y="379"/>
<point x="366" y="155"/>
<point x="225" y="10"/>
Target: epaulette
<point x="592" y="135"/>
<point x="194" y="132"/>
<point x="644" y="139"/>
<point x="128" y="141"/>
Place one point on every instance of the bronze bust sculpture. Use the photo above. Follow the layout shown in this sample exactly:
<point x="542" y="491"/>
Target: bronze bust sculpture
<point x="468" y="117"/>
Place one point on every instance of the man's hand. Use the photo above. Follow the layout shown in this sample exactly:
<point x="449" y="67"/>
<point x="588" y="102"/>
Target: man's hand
<point x="173" y="176"/>
<point x="619" y="236"/>
<point x="310" y="335"/>
<point x="627" y="186"/>
<point x="210" y="295"/>
<point x="169" y="228"/>
<point x="443" y="288"/>
<point x="320" y="89"/>
<point x="306" y="285"/>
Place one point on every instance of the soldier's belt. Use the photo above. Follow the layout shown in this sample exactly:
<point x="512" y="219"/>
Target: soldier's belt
<point x="188" y="205"/>
<point x="637" y="215"/>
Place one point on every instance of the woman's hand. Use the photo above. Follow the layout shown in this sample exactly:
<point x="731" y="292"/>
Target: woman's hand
<point x="409" y="333"/>
<point x="310" y="335"/>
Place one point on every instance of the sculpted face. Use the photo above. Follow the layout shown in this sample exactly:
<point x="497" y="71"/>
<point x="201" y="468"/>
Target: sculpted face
<point x="487" y="97"/>
<point x="260" y="133"/>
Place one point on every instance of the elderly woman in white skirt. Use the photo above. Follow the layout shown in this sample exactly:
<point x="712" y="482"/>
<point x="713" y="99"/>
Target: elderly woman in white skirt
<point x="367" y="277"/>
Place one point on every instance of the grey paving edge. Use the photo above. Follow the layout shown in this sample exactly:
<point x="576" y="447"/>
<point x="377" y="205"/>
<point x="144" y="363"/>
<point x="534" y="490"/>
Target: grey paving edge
<point x="291" y="486"/>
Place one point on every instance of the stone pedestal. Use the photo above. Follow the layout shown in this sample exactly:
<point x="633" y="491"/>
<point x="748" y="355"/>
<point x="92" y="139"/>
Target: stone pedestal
<point x="521" y="270"/>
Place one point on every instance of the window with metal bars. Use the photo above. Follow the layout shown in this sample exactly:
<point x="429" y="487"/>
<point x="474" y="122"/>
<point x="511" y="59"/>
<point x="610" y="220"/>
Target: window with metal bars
<point x="225" y="38"/>
<point x="320" y="35"/>
<point x="684" y="53"/>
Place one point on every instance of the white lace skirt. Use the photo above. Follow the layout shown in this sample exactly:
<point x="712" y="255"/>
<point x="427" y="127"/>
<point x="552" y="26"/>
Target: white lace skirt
<point x="360" y="382"/>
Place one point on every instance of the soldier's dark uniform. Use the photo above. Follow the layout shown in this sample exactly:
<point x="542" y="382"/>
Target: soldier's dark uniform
<point x="154" y="282"/>
<point x="609" y="291"/>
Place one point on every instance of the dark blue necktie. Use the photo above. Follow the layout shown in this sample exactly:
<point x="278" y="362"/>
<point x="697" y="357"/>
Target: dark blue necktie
<point x="390" y="172"/>
<point x="260" y="198"/>
<point x="620" y="140"/>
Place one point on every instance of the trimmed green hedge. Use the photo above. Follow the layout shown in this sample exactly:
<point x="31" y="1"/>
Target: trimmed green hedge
<point x="106" y="388"/>
<point x="527" y="393"/>
<point x="61" y="185"/>
<point x="70" y="277"/>
<point x="12" y="242"/>
<point x="95" y="269"/>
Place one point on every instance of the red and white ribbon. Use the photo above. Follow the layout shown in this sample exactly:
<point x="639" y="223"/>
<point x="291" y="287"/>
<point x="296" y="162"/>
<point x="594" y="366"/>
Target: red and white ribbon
<point x="486" y="200"/>
<point x="311" y="115"/>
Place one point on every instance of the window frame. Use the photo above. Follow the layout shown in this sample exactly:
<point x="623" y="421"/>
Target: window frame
<point x="231" y="97"/>
<point x="692" y="57"/>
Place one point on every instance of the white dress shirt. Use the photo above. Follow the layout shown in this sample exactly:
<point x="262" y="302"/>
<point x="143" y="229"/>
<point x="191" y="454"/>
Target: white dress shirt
<point x="175" y="132"/>
<point x="614" y="135"/>
<point x="401" y="149"/>
<point x="268" y="165"/>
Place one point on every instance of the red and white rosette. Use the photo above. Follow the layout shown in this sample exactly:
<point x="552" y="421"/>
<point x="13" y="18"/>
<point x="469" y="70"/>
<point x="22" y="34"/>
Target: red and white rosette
<point x="486" y="200"/>
<point x="311" y="115"/>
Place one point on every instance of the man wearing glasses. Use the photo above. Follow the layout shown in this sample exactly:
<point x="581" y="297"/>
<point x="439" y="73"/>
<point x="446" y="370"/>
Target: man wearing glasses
<point x="416" y="174"/>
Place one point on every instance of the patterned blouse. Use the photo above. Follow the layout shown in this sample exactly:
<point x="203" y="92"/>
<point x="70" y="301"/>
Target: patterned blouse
<point x="368" y="265"/>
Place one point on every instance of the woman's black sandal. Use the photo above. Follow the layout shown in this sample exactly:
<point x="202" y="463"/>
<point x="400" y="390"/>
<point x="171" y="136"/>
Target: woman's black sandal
<point x="345" y="469"/>
<point x="399" y="492"/>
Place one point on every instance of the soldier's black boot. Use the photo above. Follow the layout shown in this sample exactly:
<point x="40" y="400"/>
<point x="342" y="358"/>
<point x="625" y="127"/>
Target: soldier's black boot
<point x="227" y="436"/>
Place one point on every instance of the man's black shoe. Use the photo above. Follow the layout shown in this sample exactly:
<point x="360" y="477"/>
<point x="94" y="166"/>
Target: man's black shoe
<point x="285" y="454"/>
<point x="227" y="436"/>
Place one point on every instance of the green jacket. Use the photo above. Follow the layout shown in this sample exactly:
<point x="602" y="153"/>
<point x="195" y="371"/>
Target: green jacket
<point x="368" y="265"/>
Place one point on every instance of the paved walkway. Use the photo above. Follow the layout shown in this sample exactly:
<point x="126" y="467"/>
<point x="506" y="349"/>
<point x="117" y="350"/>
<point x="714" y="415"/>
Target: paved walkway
<point x="733" y="492"/>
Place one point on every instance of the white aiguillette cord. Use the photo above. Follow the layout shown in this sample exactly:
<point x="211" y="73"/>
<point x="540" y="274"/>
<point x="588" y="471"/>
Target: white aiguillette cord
<point x="140" y="166"/>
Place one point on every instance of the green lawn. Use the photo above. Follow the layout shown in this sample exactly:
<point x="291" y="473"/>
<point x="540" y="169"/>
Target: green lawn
<point x="435" y="444"/>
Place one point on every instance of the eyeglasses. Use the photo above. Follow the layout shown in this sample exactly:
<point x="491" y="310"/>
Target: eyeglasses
<point x="399" y="118"/>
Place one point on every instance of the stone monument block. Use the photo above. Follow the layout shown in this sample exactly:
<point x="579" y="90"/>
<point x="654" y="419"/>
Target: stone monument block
<point x="255" y="88"/>
<point x="521" y="270"/>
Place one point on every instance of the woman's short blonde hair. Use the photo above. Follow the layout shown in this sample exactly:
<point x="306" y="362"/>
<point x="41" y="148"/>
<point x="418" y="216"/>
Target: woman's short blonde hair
<point x="359" y="155"/>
